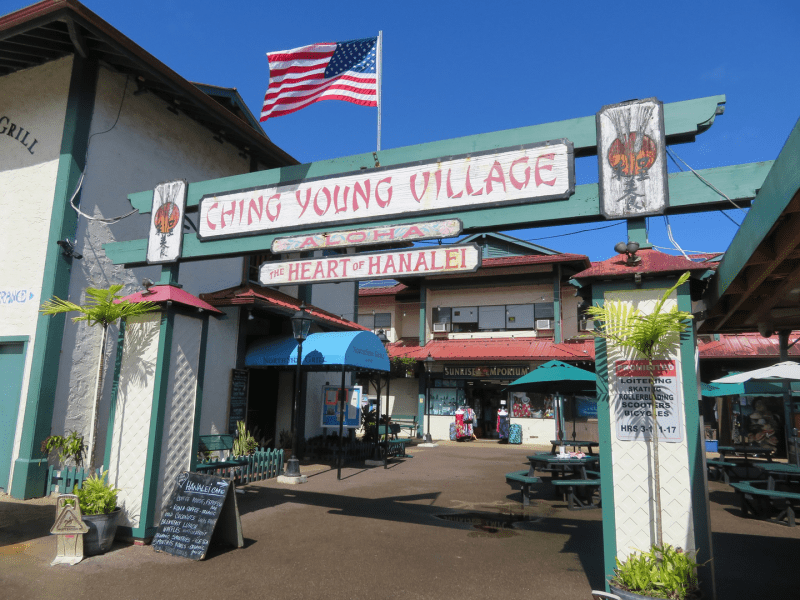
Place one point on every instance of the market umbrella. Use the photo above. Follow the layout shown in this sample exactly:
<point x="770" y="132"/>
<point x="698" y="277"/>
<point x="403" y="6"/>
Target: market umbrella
<point x="556" y="377"/>
<point x="782" y="371"/>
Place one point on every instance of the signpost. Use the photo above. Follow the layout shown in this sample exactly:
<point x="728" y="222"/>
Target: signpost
<point x="632" y="401"/>
<point x="411" y="232"/>
<point x="531" y="173"/>
<point x="201" y="505"/>
<point x="378" y="265"/>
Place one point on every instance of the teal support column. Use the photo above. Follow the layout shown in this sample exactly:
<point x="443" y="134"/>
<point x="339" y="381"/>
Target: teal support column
<point x="169" y="274"/>
<point x="557" y="333"/>
<point x="637" y="232"/>
<point x="198" y="398"/>
<point x="423" y="310"/>
<point x="695" y="442"/>
<point x="604" y="438"/>
<point x="30" y="467"/>
<point x="156" y="431"/>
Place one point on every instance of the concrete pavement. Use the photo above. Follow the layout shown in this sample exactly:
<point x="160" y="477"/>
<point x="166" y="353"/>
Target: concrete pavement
<point x="441" y="525"/>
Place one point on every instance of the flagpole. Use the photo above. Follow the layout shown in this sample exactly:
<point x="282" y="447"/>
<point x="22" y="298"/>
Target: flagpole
<point x="380" y="79"/>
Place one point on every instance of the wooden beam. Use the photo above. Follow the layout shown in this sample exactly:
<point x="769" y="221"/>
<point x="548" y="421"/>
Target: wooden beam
<point x="689" y="192"/>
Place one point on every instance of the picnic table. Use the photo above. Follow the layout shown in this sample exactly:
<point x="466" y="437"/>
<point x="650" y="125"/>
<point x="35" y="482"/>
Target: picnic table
<point x="776" y="470"/>
<point x="570" y="476"/>
<point x="745" y="450"/>
<point x="561" y="466"/>
<point x="576" y="444"/>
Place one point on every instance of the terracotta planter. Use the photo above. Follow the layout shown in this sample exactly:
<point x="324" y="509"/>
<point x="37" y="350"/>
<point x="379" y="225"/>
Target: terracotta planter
<point x="102" y="529"/>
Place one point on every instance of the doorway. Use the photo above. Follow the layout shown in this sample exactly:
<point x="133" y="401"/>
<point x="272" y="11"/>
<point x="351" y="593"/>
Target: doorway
<point x="262" y="406"/>
<point x="12" y="366"/>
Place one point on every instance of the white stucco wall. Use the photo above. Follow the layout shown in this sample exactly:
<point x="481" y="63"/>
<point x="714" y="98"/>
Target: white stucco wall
<point x="146" y="145"/>
<point x="27" y="187"/>
<point x="223" y="335"/>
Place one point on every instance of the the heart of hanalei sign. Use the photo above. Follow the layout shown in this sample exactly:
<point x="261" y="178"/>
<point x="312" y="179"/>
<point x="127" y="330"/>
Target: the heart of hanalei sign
<point x="510" y="176"/>
<point x="378" y="265"/>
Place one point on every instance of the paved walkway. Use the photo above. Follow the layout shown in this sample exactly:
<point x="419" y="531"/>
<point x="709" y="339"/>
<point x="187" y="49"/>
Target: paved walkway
<point x="404" y="532"/>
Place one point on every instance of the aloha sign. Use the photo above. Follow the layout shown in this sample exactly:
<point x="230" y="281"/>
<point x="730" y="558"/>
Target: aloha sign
<point x="532" y="173"/>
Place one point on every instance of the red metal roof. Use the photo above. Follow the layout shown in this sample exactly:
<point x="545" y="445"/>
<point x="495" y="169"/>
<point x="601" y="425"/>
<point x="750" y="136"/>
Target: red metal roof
<point x="382" y="291"/>
<point x="745" y="345"/>
<point x="252" y="294"/>
<point x="170" y="293"/>
<point x="653" y="261"/>
<point x="495" y="349"/>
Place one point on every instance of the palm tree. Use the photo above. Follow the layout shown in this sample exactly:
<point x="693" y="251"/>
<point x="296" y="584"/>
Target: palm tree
<point x="650" y="337"/>
<point x="103" y="307"/>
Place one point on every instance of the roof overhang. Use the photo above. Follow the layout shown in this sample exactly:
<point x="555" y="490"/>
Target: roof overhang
<point x="52" y="29"/>
<point x="757" y="285"/>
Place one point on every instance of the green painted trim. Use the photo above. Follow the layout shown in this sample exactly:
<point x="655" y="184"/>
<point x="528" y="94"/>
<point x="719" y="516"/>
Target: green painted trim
<point x="637" y="232"/>
<point x="510" y="240"/>
<point x="682" y="120"/>
<point x="30" y="469"/>
<point x="13" y="339"/>
<point x="423" y="306"/>
<point x="687" y="194"/>
<point x="606" y="457"/>
<point x="169" y="273"/>
<point x="695" y="442"/>
<point x="779" y="187"/>
<point x="557" y="335"/>
<point x="198" y="398"/>
<point x="112" y="410"/>
<point x="156" y="432"/>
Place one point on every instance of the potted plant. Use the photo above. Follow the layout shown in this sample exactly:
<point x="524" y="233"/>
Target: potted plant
<point x="244" y="444"/>
<point x="663" y="572"/>
<point x="98" y="502"/>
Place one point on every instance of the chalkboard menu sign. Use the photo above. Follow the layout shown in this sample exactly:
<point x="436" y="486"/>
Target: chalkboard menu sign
<point x="238" y="406"/>
<point x="201" y="507"/>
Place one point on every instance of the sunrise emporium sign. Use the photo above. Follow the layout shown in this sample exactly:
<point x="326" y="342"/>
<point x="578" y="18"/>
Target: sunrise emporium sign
<point x="378" y="265"/>
<point x="487" y="179"/>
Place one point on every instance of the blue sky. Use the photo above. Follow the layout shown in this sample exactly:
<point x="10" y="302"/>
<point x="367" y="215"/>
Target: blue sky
<point x="459" y="68"/>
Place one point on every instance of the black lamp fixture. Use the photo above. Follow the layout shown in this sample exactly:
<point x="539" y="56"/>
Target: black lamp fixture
<point x="429" y="360"/>
<point x="68" y="249"/>
<point x="301" y="323"/>
<point x="382" y="337"/>
<point x="630" y="250"/>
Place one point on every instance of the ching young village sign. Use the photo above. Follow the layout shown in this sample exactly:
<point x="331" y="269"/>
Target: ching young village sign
<point x="528" y="174"/>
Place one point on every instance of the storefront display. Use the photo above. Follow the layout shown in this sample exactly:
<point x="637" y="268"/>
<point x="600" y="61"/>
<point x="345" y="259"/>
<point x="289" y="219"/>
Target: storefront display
<point x="531" y="405"/>
<point x="445" y="401"/>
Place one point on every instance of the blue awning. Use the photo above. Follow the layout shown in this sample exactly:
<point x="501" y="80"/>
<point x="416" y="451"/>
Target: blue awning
<point x="353" y="350"/>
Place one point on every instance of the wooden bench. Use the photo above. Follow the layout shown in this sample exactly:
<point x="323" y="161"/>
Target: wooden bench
<point x="756" y="501"/>
<point x="218" y="442"/>
<point x="574" y="500"/>
<point x="521" y="480"/>
<point x="405" y="422"/>
<point x="720" y="469"/>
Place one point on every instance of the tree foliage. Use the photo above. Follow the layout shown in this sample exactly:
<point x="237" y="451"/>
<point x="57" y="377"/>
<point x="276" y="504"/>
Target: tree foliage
<point x="103" y="307"/>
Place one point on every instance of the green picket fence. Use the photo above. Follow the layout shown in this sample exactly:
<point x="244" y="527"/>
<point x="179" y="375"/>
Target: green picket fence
<point x="262" y="464"/>
<point x="66" y="478"/>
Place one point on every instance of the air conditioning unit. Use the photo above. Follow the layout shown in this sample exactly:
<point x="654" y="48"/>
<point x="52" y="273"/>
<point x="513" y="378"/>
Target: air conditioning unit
<point x="586" y="325"/>
<point x="441" y="327"/>
<point x="544" y="324"/>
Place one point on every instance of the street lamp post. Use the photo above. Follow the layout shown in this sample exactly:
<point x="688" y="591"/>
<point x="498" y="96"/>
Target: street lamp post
<point x="428" y="366"/>
<point x="301" y="323"/>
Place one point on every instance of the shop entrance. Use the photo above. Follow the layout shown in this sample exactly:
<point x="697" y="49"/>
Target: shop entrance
<point x="484" y="397"/>
<point x="262" y="406"/>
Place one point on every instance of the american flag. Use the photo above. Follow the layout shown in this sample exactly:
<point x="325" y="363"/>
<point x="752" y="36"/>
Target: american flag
<point x="329" y="71"/>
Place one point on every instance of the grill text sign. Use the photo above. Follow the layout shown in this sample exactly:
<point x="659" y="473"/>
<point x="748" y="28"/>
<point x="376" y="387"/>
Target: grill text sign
<point x="633" y="406"/>
<point x="520" y="175"/>
<point x="379" y="265"/>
